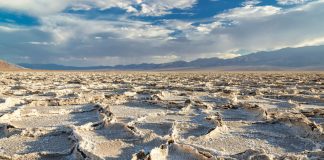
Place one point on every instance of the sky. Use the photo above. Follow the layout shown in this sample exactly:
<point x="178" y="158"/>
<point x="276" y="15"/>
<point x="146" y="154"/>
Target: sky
<point x="113" y="32"/>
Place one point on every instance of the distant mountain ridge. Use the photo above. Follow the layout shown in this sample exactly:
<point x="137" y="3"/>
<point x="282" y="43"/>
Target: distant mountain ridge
<point x="8" y="66"/>
<point x="305" y="57"/>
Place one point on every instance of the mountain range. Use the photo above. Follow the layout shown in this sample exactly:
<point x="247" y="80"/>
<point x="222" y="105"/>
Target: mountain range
<point x="4" y="66"/>
<point x="291" y="58"/>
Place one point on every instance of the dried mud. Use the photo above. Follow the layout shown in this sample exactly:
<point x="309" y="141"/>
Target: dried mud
<point x="160" y="116"/>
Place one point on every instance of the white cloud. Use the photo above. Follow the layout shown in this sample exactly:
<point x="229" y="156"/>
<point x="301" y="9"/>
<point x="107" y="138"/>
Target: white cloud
<point x="291" y="2"/>
<point x="81" y="6"/>
<point x="35" y="7"/>
<point x="249" y="12"/>
<point x="65" y="27"/>
<point x="9" y="29"/>
<point x="106" y="4"/>
<point x="148" y="7"/>
<point x="227" y="55"/>
<point x="41" y="43"/>
<point x="251" y="2"/>
<point x="207" y="28"/>
<point x="300" y="26"/>
<point x="311" y="42"/>
<point x="178" y="24"/>
<point x="41" y="8"/>
<point x="69" y="39"/>
<point x="161" y="7"/>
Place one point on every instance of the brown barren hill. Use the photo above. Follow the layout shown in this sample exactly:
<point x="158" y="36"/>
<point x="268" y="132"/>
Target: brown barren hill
<point x="5" y="66"/>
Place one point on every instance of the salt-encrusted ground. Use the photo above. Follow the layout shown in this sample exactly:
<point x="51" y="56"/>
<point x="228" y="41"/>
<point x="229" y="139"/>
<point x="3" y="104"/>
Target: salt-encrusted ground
<point x="159" y="116"/>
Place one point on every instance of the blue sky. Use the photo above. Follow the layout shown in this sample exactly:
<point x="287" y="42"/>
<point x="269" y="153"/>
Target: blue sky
<point x="111" y="32"/>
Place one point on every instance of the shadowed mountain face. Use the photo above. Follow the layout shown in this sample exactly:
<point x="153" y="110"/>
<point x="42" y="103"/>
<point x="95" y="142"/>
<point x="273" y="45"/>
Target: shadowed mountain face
<point x="285" y="58"/>
<point x="7" y="66"/>
<point x="289" y="57"/>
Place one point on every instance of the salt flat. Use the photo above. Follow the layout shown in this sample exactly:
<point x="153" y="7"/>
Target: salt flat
<point x="159" y="116"/>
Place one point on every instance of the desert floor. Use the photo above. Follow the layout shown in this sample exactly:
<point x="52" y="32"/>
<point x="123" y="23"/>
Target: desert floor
<point x="138" y="115"/>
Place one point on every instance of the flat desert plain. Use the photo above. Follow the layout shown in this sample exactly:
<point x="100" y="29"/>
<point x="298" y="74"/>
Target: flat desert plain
<point x="159" y="116"/>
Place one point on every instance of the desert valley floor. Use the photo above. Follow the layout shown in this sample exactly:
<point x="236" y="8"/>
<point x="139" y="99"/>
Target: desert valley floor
<point x="157" y="116"/>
